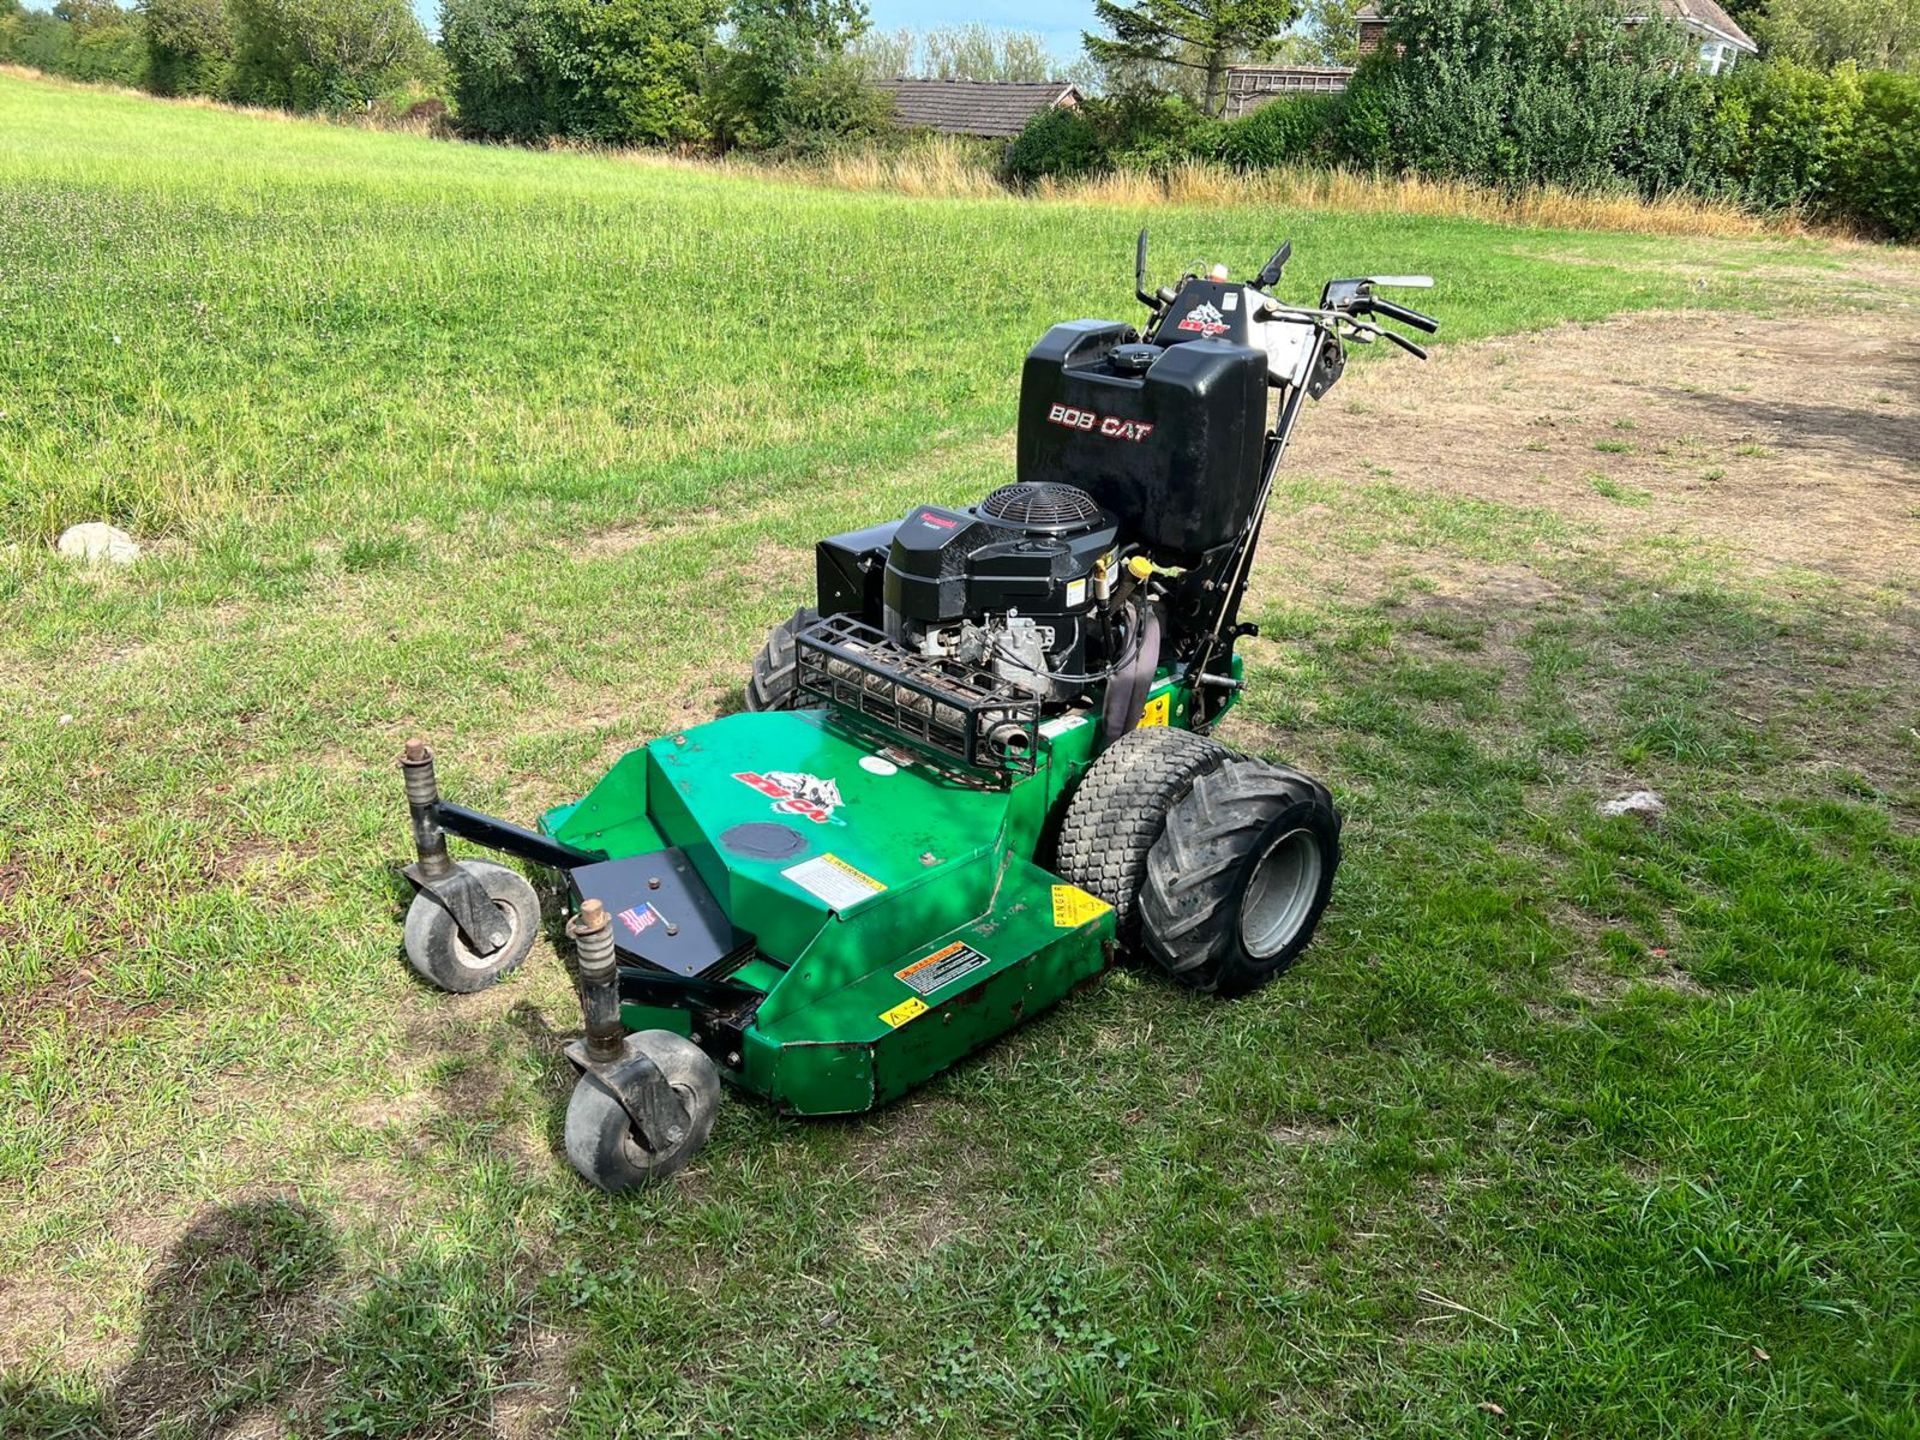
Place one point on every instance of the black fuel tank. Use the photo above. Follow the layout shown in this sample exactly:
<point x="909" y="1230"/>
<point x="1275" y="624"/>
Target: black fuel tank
<point x="1169" y="443"/>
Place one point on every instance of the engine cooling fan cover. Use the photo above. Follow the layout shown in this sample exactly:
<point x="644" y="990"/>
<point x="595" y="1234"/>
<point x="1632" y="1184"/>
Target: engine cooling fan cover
<point x="1043" y="506"/>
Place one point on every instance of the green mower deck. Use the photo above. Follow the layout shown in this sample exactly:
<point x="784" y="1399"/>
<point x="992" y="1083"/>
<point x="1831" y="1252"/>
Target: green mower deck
<point x="894" y="933"/>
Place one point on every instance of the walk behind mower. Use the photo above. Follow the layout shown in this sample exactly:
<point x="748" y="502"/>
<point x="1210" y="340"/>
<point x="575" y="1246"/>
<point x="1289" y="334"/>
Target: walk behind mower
<point x="977" y="770"/>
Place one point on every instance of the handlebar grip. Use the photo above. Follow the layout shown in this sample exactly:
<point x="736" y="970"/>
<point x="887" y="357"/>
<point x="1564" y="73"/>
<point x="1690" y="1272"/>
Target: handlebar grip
<point x="1403" y="314"/>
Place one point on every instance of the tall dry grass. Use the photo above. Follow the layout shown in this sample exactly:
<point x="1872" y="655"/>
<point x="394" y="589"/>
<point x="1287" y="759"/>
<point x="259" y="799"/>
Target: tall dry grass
<point x="944" y="167"/>
<point x="949" y="169"/>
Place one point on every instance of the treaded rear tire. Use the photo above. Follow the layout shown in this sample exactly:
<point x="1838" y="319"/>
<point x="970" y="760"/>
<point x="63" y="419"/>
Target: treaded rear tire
<point x="771" y="685"/>
<point x="1200" y="876"/>
<point x="1119" y="809"/>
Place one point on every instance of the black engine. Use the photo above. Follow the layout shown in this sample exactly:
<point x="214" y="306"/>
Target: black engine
<point x="1137" y="462"/>
<point x="1145" y="461"/>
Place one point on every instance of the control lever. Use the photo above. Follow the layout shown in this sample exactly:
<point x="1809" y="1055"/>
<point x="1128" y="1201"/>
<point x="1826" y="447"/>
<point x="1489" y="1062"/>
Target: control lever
<point x="1419" y="352"/>
<point x="1401" y="313"/>
<point x="1271" y="272"/>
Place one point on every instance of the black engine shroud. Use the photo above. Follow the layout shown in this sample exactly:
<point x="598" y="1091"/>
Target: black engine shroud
<point x="1122" y="446"/>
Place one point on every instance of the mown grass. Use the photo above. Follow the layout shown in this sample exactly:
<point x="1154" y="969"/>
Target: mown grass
<point x="1568" y="1125"/>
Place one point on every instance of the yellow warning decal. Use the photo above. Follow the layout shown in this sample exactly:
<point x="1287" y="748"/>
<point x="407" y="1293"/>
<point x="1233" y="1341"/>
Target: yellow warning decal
<point x="833" y="881"/>
<point x="1074" y="907"/>
<point x="906" y="1010"/>
<point x="1159" y="710"/>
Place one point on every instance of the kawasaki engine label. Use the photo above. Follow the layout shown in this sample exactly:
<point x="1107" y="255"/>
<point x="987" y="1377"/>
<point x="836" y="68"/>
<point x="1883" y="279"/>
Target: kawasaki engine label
<point x="1114" y="427"/>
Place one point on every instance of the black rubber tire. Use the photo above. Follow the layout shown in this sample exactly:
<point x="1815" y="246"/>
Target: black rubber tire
<point x="1200" y="898"/>
<point x="1119" y="808"/>
<point x="771" y="685"/>
<point x="442" y="957"/>
<point x="600" y="1140"/>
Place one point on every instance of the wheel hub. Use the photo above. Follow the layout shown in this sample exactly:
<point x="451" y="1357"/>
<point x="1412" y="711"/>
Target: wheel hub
<point x="1280" y="894"/>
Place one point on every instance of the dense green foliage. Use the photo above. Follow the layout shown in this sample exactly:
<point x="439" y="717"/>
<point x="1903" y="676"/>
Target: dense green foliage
<point x="1135" y="129"/>
<point x="1552" y="92"/>
<point x="1060" y="143"/>
<point x="91" y="40"/>
<point x="190" y="46"/>
<point x="1873" y="34"/>
<point x="1876" y="178"/>
<point x="1288" y="131"/>
<point x="1201" y="36"/>
<point x="327" y="54"/>
<point x="784" y="79"/>
<point x="295" y="54"/>
<point x="1514" y="92"/>
<point x="626" y="72"/>
<point x="656" y="72"/>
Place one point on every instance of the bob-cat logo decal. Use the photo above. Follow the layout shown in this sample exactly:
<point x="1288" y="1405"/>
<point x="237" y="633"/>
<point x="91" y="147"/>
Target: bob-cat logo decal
<point x="1204" y="319"/>
<point x="1114" y="427"/>
<point x="796" y="794"/>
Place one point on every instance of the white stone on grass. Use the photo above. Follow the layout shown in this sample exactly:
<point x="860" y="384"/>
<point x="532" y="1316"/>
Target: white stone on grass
<point x="97" y="544"/>
<point x="1643" y="803"/>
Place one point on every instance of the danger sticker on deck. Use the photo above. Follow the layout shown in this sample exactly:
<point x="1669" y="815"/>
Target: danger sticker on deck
<point x="943" y="967"/>
<point x="833" y="882"/>
<point x="906" y="1010"/>
<point x="1074" y="907"/>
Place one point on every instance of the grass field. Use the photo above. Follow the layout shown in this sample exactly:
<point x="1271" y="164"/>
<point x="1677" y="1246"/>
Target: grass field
<point x="1567" y="1125"/>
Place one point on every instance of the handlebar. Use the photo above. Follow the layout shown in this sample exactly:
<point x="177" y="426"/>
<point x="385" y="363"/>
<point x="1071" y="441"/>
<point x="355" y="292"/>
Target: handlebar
<point x="1405" y="316"/>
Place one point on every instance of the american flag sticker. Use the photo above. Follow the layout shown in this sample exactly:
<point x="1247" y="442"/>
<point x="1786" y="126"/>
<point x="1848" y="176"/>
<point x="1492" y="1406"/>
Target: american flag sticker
<point x="640" y="918"/>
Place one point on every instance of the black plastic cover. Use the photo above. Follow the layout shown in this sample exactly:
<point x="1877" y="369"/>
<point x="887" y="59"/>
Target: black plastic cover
<point x="850" y="571"/>
<point x="1174" y="453"/>
<point x="945" y="564"/>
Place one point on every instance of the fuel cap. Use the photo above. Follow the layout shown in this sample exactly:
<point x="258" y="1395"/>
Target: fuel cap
<point x="1134" y="359"/>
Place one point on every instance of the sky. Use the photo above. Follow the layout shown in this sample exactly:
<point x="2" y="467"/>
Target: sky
<point x="1058" y="22"/>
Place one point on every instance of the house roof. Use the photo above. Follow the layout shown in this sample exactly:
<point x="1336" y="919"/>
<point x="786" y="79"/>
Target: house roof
<point x="974" y="107"/>
<point x="1702" y="14"/>
<point x="1251" y="69"/>
<point x="1707" y="15"/>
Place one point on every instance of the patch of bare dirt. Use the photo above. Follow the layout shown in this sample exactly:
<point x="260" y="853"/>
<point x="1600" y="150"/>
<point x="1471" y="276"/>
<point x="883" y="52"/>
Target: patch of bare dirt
<point x="1302" y="1133"/>
<point x="1792" y="442"/>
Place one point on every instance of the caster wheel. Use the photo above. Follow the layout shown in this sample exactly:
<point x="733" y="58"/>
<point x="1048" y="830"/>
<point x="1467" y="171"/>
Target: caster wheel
<point x="601" y="1143"/>
<point x="440" y="954"/>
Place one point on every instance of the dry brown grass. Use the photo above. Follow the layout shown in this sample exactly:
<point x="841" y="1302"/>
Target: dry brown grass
<point x="947" y="168"/>
<point x="1356" y="192"/>
<point x="943" y="167"/>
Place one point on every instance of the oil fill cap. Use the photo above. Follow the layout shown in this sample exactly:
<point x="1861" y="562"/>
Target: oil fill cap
<point x="1134" y="359"/>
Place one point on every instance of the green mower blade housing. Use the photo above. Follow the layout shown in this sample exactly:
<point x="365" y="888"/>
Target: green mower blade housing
<point x="886" y="920"/>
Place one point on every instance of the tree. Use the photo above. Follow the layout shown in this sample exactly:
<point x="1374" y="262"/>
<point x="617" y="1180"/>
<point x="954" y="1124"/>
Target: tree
<point x="625" y="72"/>
<point x="1875" y="34"/>
<point x="189" y="46"/>
<point x="1199" y="36"/>
<point x="886" y="54"/>
<point x="784" y="72"/>
<point x="327" y="54"/>
<point x="1522" y="92"/>
<point x="1331" y="29"/>
<point x="981" y="52"/>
